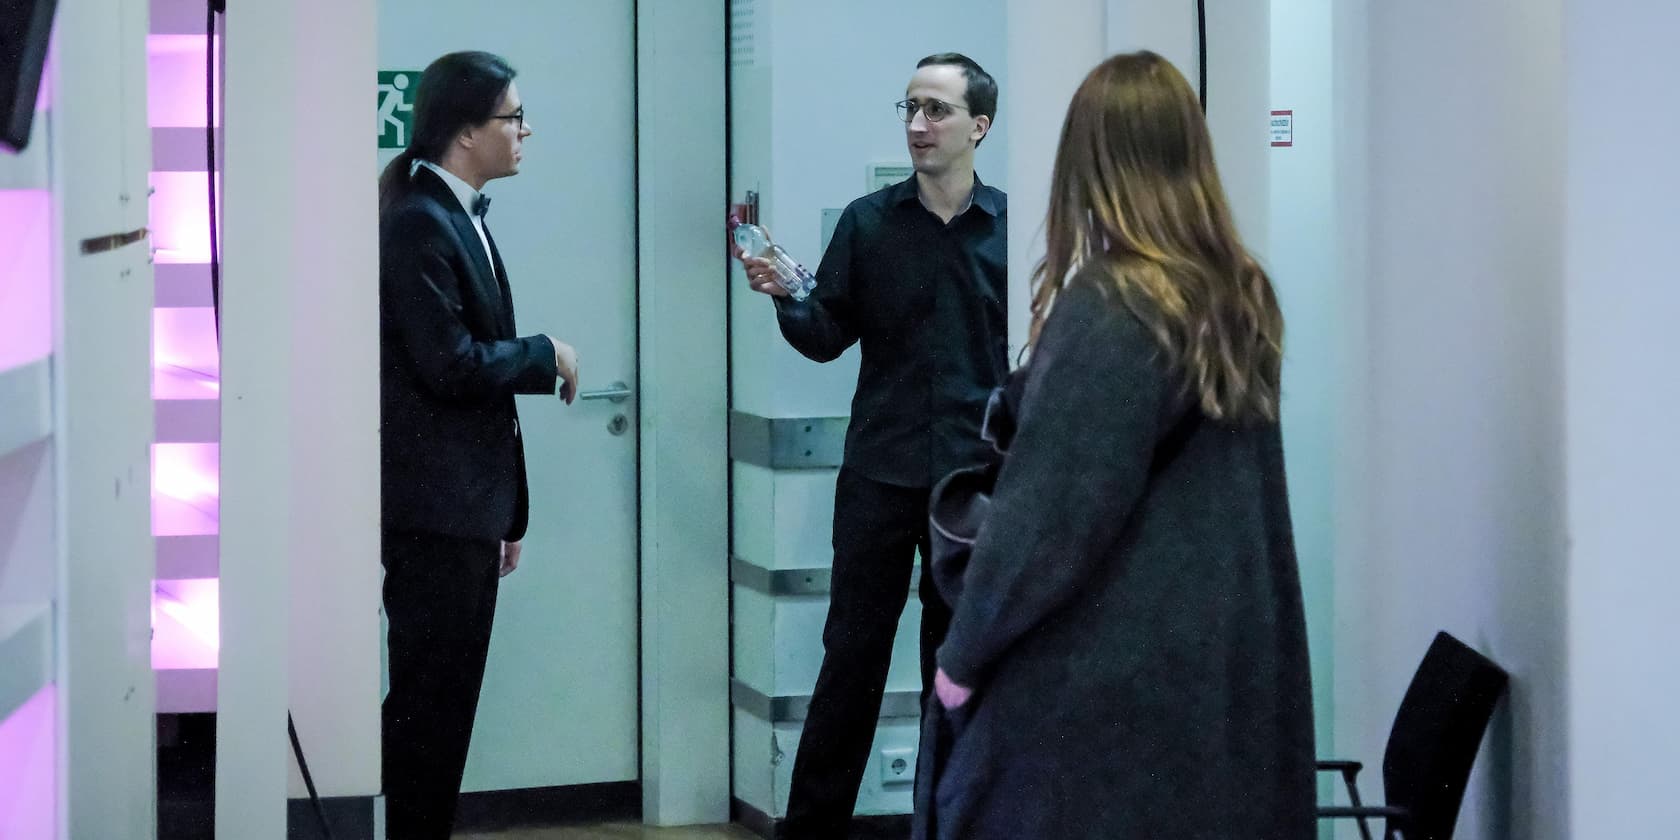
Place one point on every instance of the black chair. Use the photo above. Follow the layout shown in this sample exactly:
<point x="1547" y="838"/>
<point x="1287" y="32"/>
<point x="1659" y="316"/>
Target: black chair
<point x="1431" y="746"/>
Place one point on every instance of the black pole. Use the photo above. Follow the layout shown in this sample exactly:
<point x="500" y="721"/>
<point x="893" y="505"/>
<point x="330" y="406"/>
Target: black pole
<point x="1201" y="38"/>
<point x="212" y="8"/>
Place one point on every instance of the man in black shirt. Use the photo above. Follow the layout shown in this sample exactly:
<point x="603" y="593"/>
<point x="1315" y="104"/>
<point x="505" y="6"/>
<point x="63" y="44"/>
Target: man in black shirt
<point x="915" y="275"/>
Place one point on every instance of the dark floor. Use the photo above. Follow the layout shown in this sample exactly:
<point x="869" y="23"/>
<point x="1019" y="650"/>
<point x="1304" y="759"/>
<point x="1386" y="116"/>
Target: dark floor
<point x="186" y="775"/>
<point x="617" y="831"/>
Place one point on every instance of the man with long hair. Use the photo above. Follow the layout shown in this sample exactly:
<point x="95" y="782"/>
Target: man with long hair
<point x="454" y="505"/>
<point x="915" y="273"/>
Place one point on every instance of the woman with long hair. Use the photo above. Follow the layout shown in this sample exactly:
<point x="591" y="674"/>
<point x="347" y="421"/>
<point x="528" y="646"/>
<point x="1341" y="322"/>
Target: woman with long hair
<point x="1128" y="656"/>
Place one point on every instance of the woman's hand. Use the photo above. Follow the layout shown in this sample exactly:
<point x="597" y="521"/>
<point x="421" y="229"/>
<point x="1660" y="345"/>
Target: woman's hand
<point x="951" y="695"/>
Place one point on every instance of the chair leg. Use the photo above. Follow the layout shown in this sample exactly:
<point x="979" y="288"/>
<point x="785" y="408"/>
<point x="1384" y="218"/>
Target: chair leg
<point x="1348" y="775"/>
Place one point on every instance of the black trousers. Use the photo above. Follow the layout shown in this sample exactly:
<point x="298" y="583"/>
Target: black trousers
<point x="440" y="601"/>
<point x="878" y="529"/>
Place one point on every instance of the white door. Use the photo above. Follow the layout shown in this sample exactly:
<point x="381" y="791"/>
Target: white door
<point x="559" y="705"/>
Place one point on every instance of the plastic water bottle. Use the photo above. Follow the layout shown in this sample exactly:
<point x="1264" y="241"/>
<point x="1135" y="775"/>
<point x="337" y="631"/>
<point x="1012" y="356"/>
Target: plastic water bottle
<point x="754" y="242"/>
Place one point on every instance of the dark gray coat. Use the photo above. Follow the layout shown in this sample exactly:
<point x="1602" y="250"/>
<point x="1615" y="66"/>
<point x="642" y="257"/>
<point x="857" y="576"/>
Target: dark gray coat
<point x="1130" y="618"/>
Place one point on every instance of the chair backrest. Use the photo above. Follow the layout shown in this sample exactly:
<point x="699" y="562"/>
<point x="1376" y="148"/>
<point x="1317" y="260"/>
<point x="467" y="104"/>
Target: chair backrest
<point x="1436" y="735"/>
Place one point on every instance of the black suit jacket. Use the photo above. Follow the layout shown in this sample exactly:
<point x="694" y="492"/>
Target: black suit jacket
<point x="452" y="459"/>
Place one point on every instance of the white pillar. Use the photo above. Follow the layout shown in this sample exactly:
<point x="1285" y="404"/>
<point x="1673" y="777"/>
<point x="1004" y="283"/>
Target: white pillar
<point x="1239" y="47"/>
<point x="1454" y="519"/>
<point x="1624" y="407"/>
<point x="1306" y="229"/>
<point x="101" y="152"/>
<point x="685" y="524"/>
<point x="1052" y="46"/>
<point x="299" y="408"/>
<point x="1238" y="86"/>
<point x="333" y="643"/>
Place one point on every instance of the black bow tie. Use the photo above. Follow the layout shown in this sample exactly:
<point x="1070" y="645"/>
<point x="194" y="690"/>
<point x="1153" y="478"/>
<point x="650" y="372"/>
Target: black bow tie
<point x="481" y="205"/>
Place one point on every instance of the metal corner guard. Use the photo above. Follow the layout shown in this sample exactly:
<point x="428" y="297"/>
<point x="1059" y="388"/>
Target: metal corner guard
<point x="793" y="708"/>
<point x="785" y="443"/>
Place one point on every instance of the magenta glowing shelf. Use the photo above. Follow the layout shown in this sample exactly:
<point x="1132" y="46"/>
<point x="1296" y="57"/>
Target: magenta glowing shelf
<point x="185" y="690"/>
<point x="170" y="256"/>
<point x="180" y="216"/>
<point x="184" y="347"/>
<point x="175" y="91"/>
<point x="27" y="721"/>
<point x="191" y="556"/>
<point x="175" y="518"/>
<point x="170" y="382"/>
<point x="186" y="644"/>
<point x="30" y="169"/>
<point x="25" y="406"/>
<point x="181" y="149"/>
<point x="26" y="314"/>
<point x="187" y="421"/>
<point x="185" y="630"/>
<point x="26" y="649"/>
<point x="181" y="284"/>
<point x="186" y="386"/>
<point x="178" y="17"/>
<point x="186" y="492"/>
<point x="28" y="762"/>
<point x="185" y="382"/>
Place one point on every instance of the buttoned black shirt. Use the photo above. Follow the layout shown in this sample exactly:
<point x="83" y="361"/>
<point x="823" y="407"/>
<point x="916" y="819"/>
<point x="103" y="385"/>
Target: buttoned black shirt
<point x="927" y="302"/>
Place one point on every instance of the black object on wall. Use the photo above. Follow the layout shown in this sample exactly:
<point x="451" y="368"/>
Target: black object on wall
<point x="25" y="28"/>
<point x="212" y="9"/>
<point x="1201" y="49"/>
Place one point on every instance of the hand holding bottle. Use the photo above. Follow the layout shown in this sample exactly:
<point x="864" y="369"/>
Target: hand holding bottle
<point x="769" y="268"/>
<point x="761" y="276"/>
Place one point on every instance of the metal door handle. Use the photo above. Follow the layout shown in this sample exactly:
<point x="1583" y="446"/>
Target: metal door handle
<point x="617" y="392"/>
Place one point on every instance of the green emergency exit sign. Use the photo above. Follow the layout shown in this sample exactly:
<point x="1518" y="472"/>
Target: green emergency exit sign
<point x="396" y="107"/>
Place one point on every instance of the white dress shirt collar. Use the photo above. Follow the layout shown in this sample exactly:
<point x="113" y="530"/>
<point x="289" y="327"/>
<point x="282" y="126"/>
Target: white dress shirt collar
<point x="463" y="191"/>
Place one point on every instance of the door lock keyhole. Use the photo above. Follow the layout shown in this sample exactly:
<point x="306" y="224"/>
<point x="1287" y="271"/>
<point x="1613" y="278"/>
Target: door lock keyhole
<point x="618" y="425"/>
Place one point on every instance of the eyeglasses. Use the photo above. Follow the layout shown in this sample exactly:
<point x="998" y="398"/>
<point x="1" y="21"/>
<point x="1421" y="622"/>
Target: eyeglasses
<point x="518" y="115"/>
<point x="934" y="109"/>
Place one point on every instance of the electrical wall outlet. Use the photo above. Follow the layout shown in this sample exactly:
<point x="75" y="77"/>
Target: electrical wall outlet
<point x="898" y="765"/>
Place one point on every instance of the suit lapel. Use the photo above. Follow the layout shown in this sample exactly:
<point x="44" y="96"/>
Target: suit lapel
<point x="484" y="276"/>
<point x="506" y="319"/>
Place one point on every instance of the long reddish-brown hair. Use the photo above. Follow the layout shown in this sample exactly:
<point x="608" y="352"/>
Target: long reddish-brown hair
<point x="1136" y="196"/>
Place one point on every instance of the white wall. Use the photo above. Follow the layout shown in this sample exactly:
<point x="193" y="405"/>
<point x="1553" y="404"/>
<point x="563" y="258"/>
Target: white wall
<point x="30" y="532"/>
<point x="684" y="426"/>
<point x="1238" y="108"/>
<point x="333" y="646"/>
<point x="1460" y="438"/>
<point x="103" y="405"/>
<point x="299" y="529"/>
<point x="1624" y="407"/>
<point x="1239" y="51"/>
<point x="1300" y="256"/>
<point x="1052" y="47"/>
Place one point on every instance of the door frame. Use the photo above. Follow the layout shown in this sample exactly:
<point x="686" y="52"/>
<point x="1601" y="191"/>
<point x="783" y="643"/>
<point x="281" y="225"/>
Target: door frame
<point x="682" y="372"/>
<point x="683" y="363"/>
